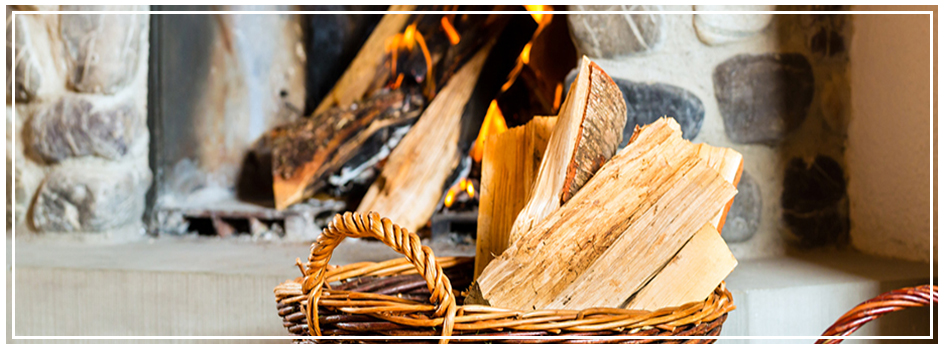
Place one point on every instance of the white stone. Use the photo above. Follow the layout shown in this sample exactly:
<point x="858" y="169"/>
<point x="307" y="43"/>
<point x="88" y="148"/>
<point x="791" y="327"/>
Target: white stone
<point x="724" y="28"/>
<point x="102" y="50"/>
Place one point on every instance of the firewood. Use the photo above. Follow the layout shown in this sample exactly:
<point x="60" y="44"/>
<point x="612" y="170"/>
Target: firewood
<point x="301" y="160"/>
<point x="310" y="149"/>
<point x="509" y="166"/>
<point x="360" y="74"/>
<point x="411" y="183"/>
<point x="621" y="228"/>
<point x="587" y="133"/>
<point x="727" y="162"/>
<point x="705" y="260"/>
<point x="690" y="276"/>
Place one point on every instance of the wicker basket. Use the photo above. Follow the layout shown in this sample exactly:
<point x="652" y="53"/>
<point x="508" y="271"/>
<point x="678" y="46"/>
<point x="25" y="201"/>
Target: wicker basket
<point x="876" y="307"/>
<point x="414" y="296"/>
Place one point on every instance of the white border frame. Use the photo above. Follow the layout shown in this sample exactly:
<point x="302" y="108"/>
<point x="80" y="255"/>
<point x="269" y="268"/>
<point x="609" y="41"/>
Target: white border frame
<point x="13" y="229"/>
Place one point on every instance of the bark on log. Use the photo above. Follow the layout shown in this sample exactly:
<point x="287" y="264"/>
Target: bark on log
<point x="303" y="159"/>
<point x="586" y="135"/>
<point x="305" y="152"/>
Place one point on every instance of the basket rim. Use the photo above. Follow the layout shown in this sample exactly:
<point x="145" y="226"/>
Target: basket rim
<point x="477" y="318"/>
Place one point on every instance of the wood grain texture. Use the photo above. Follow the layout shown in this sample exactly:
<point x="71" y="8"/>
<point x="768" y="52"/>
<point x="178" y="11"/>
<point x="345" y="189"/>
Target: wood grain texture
<point x="509" y="166"/>
<point x="729" y="164"/>
<point x="621" y="228"/>
<point x="411" y="183"/>
<point x="691" y="275"/>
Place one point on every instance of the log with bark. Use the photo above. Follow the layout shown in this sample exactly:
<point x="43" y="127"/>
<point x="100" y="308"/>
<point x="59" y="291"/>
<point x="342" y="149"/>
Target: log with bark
<point x="615" y="234"/>
<point x="586" y="135"/>
<point x="404" y="72"/>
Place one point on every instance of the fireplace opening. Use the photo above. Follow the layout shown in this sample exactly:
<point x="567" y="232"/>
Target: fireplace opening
<point x="236" y="102"/>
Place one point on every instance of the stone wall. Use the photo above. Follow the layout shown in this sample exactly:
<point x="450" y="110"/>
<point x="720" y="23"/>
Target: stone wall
<point x="773" y="87"/>
<point x="81" y="150"/>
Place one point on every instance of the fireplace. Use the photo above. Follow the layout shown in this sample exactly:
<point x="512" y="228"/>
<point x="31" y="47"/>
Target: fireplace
<point x="195" y="96"/>
<point x="215" y="178"/>
<point x="154" y="143"/>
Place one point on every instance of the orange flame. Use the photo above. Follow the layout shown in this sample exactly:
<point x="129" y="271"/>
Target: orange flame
<point x="463" y="185"/>
<point x="450" y="198"/>
<point x="557" y="95"/>
<point x="493" y="124"/>
<point x="408" y="36"/>
<point x="470" y="189"/>
<point x="540" y="18"/>
<point x="450" y="31"/>
<point x="396" y="84"/>
<point x="407" y="41"/>
<point x="429" y="62"/>
<point x="526" y="53"/>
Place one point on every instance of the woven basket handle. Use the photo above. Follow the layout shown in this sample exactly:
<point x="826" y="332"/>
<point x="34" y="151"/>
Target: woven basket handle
<point x="876" y="307"/>
<point x="400" y="239"/>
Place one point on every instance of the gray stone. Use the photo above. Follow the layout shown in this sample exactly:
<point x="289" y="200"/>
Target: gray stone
<point x="716" y="29"/>
<point x="763" y="97"/>
<point x="71" y="128"/>
<point x="745" y="213"/>
<point x="615" y="35"/>
<point x="90" y="199"/>
<point x="102" y="50"/>
<point x="646" y="103"/>
<point x="814" y="201"/>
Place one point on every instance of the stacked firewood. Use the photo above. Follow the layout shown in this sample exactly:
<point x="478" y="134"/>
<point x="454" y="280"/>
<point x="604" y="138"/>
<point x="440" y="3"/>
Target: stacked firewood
<point x="567" y="222"/>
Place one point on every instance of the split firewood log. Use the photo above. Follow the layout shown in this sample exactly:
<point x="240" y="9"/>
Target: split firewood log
<point x="586" y="135"/>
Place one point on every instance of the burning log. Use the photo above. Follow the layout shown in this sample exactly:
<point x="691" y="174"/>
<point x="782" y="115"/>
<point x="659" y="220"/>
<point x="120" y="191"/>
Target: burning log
<point x="358" y="77"/>
<point x="509" y="167"/>
<point x="621" y="229"/>
<point x="587" y="133"/>
<point x="410" y="186"/>
<point x="391" y="75"/>
<point x="313" y="149"/>
<point x="418" y="169"/>
<point x="537" y="86"/>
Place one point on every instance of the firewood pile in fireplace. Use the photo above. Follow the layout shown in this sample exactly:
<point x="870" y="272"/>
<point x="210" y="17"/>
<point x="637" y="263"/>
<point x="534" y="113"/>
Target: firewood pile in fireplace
<point x="402" y="132"/>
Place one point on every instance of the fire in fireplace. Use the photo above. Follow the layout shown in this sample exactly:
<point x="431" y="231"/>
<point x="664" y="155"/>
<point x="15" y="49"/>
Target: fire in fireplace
<point x="307" y="166"/>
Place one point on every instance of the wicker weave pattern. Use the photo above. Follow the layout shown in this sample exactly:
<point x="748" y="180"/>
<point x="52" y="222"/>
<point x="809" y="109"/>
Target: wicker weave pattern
<point x="346" y="312"/>
<point x="388" y="298"/>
